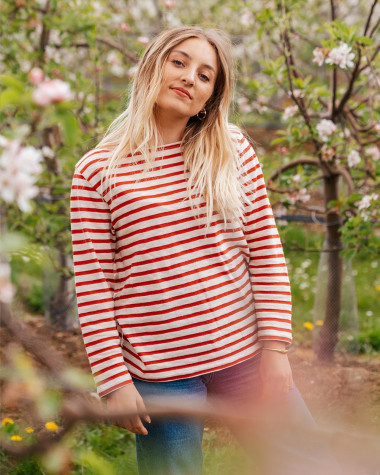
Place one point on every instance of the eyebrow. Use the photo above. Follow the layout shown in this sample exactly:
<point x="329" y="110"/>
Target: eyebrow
<point x="188" y="56"/>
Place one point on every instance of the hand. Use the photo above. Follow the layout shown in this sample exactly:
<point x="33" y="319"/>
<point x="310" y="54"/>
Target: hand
<point x="276" y="374"/>
<point x="127" y="398"/>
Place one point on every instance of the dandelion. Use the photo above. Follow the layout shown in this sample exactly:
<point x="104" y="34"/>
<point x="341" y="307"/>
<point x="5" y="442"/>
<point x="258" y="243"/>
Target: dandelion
<point x="325" y="129"/>
<point x="378" y="288"/>
<point x="51" y="426"/>
<point x="16" y="438"/>
<point x="341" y="56"/>
<point x="319" y="323"/>
<point x="353" y="158"/>
<point x="29" y="430"/>
<point x="308" y="325"/>
<point x="6" y="421"/>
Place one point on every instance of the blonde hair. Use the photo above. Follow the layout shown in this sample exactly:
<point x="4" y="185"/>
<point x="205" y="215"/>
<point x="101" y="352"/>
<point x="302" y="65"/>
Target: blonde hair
<point x="209" y="150"/>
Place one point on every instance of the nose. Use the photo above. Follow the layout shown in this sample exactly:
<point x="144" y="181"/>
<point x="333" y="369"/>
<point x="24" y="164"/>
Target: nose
<point x="188" y="76"/>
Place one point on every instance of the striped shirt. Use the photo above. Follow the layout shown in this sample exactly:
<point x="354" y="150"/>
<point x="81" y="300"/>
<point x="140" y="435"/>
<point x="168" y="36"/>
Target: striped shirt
<point x="159" y="297"/>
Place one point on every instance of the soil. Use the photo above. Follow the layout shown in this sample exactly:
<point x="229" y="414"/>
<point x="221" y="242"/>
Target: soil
<point x="343" y="396"/>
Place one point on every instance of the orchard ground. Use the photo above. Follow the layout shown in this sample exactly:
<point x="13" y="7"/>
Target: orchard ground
<point x="343" y="396"/>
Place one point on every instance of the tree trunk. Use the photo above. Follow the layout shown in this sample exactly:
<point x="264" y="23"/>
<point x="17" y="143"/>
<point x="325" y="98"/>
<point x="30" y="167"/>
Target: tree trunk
<point x="328" y="336"/>
<point x="62" y="301"/>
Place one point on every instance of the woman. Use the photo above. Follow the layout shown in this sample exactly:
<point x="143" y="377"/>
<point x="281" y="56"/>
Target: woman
<point x="181" y="280"/>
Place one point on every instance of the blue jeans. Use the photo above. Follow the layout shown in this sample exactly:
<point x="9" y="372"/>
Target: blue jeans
<point x="174" y="446"/>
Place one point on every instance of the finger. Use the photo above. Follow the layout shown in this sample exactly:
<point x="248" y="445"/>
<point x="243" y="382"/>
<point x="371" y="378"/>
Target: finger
<point x="142" y="410"/>
<point x="137" y="427"/>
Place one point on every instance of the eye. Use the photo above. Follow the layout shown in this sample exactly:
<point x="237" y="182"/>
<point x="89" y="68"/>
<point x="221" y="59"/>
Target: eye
<point x="204" y="77"/>
<point x="177" y="62"/>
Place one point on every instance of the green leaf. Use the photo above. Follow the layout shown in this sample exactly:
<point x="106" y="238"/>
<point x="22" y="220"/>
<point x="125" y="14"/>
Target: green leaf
<point x="364" y="40"/>
<point x="12" y="82"/>
<point x="278" y="140"/>
<point x="9" y="97"/>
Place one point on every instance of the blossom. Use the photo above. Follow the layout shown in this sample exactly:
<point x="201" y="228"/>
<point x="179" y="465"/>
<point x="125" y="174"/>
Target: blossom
<point x="365" y="202"/>
<point x="353" y="158"/>
<point x="327" y="152"/>
<point x="319" y="323"/>
<point x="341" y="56"/>
<point x="319" y="56"/>
<point x="16" y="438"/>
<point x="297" y="178"/>
<point x="144" y="40"/>
<point x="36" y="75"/>
<point x="6" y="421"/>
<point x="19" y="170"/>
<point x="246" y="17"/>
<point x="51" y="426"/>
<point x="116" y="65"/>
<point x="169" y="3"/>
<point x="325" y="128"/>
<point x="244" y="105"/>
<point x="122" y="26"/>
<point x="289" y="112"/>
<point x="373" y="152"/>
<point x="308" y="325"/>
<point x="29" y="430"/>
<point x="303" y="196"/>
<point x="297" y="93"/>
<point x="6" y="295"/>
<point x="51" y="90"/>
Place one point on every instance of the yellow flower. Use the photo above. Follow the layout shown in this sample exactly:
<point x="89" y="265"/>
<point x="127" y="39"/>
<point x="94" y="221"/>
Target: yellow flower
<point x="29" y="430"/>
<point x="51" y="426"/>
<point x="308" y="325"/>
<point x="6" y="421"/>
<point x="16" y="438"/>
<point x="378" y="287"/>
<point x="319" y="323"/>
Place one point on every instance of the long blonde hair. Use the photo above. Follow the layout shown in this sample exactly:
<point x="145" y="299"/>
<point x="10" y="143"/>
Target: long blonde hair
<point x="208" y="147"/>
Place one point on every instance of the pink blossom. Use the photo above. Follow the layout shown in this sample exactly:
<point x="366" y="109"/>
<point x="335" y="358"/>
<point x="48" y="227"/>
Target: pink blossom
<point x="36" y="75"/>
<point x="123" y="26"/>
<point x="144" y="40"/>
<point x="169" y="3"/>
<point x="51" y="90"/>
<point x="325" y="129"/>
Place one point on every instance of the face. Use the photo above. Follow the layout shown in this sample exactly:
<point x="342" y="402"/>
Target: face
<point x="189" y="77"/>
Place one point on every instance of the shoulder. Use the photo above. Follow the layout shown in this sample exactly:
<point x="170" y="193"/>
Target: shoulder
<point x="92" y="162"/>
<point x="243" y="143"/>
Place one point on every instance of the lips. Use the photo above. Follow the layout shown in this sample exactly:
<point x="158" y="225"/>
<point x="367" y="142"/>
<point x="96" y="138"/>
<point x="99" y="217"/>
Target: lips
<point x="182" y="92"/>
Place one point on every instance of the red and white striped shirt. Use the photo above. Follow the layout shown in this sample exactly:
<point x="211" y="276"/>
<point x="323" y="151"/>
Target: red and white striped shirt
<point x="158" y="297"/>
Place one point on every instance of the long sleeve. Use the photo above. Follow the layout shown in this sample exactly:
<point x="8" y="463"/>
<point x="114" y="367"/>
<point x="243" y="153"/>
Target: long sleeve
<point x="93" y="254"/>
<point x="267" y="266"/>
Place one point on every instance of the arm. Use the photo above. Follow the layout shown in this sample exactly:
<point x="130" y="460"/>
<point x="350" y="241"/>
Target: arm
<point x="93" y="256"/>
<point x="269" y="277"/>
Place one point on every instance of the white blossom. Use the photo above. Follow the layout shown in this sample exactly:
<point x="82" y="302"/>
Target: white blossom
<point x="341" y="56"/>
<point x="373" y="152"/>
<point x="115" y="63"/>
<point x="296" y="178"/>
<point x="325" y="129"/>
<point x="365" y="202"/>
<point x="47" y="152"/>
<point x="246" y="17"/>
<point x="353" y="158"/>
<point x="144" y="40"/>
<point x="19" y="170"/>
<point x="303" y="196"/>
<point x="289" y="112"/>
<point x="51" y="90"/>
<point x="297" y="93"/>
<point x="319" y="56"/>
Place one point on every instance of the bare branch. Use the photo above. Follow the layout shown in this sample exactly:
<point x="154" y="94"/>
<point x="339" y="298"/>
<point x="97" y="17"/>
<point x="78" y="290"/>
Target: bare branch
<point x="294" y="163"/>
<point x="369" y="18"/>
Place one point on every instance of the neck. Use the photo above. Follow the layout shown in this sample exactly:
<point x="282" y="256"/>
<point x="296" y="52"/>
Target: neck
<point x="171" y="129"/>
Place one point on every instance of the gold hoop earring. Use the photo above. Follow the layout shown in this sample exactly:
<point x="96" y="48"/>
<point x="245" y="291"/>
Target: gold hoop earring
<point x="203" y="113"/>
